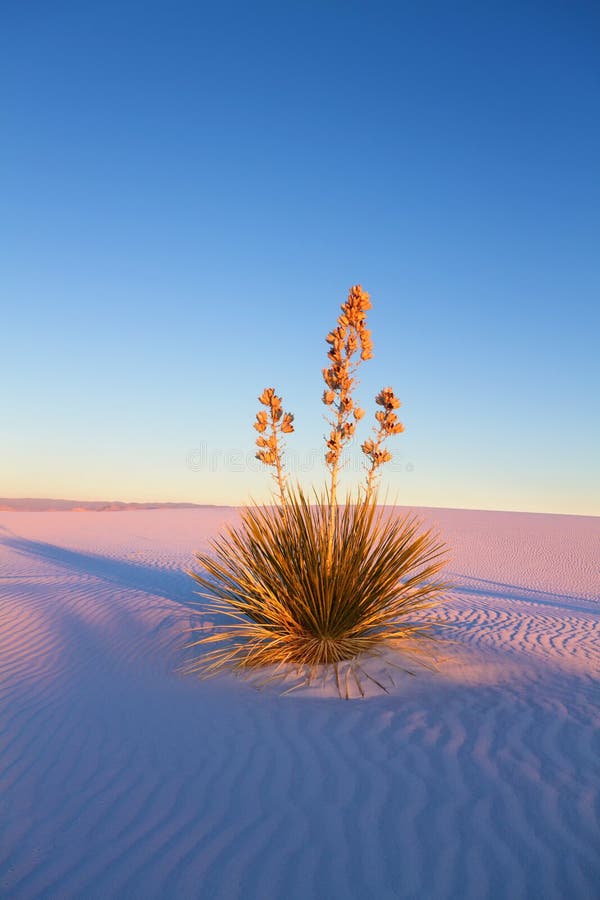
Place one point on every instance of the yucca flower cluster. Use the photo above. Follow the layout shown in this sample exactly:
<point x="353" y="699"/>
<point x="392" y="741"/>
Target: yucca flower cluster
<point x="317" y="585"/>
<point x="388" y="424"/>
<point x="277" y="422"/>
<point x="347" y="338"/>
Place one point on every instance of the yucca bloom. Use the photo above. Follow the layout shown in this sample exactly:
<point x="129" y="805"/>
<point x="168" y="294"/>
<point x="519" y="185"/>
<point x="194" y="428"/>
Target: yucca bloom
<point x="286" y="425"/>
<point x="387" y="398"/>
<point x="261" y="421"/>
<point x="267" y="457"/>
<point x="266" y="396"/>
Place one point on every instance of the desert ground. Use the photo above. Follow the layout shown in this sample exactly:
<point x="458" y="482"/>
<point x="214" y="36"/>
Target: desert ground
<point x="120" y="777"/>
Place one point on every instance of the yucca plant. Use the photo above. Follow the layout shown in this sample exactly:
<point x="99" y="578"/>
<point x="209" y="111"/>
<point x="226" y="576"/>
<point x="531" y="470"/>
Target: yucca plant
<point x="307" y="586"/>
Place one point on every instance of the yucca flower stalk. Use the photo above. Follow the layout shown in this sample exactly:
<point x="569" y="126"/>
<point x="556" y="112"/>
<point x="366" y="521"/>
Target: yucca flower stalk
<point x="271" y="448"/>
<point x="388" y="424"/>
<point x="348" y="337"/>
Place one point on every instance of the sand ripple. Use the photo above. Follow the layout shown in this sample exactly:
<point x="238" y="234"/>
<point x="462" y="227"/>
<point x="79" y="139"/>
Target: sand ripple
<point x="120" y="778"/>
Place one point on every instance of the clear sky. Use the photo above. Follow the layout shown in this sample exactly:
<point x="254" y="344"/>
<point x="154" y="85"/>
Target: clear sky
<point x="188" y="190"/>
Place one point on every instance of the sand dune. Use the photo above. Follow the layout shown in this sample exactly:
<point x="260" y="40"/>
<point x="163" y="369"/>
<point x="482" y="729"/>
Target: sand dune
<point x="32" y="504"/>
<point x="119" y="778"/>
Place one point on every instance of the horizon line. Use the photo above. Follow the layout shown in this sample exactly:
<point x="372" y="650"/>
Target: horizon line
<point x="7" y="504"/>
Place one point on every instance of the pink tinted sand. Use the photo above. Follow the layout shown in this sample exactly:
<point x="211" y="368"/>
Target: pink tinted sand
<point x="121" y="778"/>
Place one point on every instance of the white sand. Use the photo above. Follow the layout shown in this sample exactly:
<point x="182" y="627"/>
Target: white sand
<point x="121" y="778"/>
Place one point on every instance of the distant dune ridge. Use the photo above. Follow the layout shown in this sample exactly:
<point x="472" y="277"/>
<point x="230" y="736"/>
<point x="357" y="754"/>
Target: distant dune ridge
<point x="26" y="504"/>
<point x="121" y="778"/>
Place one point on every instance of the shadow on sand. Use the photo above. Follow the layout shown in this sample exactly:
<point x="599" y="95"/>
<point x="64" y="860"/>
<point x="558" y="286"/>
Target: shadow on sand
<point x="500" y="590"/>
<point x="174" y="585"/>
<point x="179" y="587"/>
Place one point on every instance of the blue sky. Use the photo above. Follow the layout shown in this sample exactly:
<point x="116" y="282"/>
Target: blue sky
<point x="188" y="191"/>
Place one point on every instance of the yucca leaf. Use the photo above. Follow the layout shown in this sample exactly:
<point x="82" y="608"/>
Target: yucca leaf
<point x="285" y="607"/>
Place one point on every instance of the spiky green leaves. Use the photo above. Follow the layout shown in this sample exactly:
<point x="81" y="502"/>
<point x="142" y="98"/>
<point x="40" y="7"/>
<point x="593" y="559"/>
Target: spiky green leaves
<point x="284" y="607"/>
